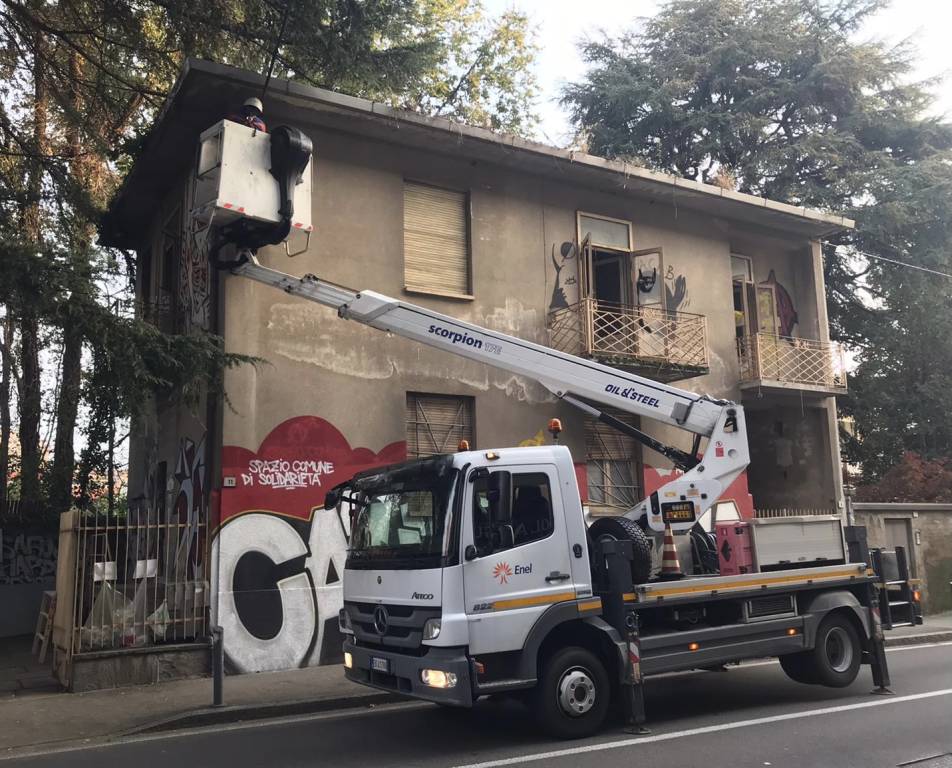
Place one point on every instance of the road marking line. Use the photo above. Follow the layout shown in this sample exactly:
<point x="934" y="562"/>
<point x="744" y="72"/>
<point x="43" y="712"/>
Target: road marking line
<point x="699" y="731"/>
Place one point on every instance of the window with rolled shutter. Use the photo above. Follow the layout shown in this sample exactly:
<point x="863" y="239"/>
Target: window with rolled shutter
<point x="612" y="464"/>
<point x="435" y="240"/>
<point x="437" y="423"/>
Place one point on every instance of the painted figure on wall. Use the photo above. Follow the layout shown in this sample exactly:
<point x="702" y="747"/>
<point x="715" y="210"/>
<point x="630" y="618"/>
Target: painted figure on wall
<point x="278" y="556"/>
<point x="675" y="290"/>
<point x="567" y="256"/>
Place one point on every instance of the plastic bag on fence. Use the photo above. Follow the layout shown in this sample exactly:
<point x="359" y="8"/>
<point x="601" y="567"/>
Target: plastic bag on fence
<point x="158" y="621"/>
<point x="110" y="613"/>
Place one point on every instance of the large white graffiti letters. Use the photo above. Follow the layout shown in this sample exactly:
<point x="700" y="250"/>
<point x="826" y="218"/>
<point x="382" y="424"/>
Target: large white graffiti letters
<point x="309" y="598"/>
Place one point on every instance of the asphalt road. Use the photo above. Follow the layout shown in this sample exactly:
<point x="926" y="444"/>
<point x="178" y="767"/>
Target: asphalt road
<point x="748" y="716"/>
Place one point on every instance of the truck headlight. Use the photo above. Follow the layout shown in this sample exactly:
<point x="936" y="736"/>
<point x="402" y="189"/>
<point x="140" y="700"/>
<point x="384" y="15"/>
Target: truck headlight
<point x="437" y="678"/>
<point x="431" y="629"/>
<point x="343" y="621"/>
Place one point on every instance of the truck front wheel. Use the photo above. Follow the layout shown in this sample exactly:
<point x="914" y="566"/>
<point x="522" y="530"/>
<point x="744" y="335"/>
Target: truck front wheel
<point x="571" y="699"/>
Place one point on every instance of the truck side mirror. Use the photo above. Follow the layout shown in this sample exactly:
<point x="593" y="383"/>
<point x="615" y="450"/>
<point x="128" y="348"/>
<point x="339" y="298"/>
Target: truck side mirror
<point x="499" y="495"/>
<point x="332" y="499"/>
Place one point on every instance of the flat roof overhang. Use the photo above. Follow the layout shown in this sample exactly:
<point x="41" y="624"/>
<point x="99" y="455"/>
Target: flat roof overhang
<point x="205" y="92"/>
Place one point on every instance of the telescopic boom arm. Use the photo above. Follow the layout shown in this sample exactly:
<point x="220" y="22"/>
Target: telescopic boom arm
<point x="567" y="377"/>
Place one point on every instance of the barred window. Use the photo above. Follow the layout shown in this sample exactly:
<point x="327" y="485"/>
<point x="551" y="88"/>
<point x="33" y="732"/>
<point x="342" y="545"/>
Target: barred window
<point x="612" y="464"/>
<point x="437" y="423"/>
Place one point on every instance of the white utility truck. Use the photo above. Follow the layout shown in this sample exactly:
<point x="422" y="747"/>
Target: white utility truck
<point x="476" y="573"/>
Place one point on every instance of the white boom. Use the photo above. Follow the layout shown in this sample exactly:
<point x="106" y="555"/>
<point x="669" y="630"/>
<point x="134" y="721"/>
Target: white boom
<point x="566" y="376"/>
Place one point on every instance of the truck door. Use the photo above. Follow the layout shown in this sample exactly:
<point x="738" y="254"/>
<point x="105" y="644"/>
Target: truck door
<point x="510" y="579"/>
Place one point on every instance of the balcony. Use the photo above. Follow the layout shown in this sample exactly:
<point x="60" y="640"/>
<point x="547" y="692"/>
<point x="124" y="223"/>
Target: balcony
<point x="650" y="341"/>
<point x="787" y="363"/>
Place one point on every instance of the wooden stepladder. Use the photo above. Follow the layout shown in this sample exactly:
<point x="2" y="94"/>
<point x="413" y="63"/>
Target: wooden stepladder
<point x="44" y="625"/>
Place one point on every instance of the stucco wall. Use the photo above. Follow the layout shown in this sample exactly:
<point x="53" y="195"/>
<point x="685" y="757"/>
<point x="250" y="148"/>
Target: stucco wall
<point x="518" y="223"/>
<point x="331" y="397"/>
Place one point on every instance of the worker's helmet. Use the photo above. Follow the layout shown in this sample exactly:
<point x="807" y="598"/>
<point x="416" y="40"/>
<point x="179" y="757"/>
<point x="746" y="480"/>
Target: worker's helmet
<point x="254" y="104"/>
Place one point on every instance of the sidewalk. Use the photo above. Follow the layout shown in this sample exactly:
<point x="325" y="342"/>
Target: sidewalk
<point x="937" y="628"/>
<point x="44" y="718"/>
<point x="67" y="717"/>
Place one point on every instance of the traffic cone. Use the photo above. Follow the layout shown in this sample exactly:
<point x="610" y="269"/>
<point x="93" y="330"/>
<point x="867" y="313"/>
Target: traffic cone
<point x="670" y="567"/>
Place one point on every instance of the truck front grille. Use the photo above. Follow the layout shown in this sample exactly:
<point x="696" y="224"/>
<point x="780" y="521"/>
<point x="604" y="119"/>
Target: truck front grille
<point x="404" y="625"/>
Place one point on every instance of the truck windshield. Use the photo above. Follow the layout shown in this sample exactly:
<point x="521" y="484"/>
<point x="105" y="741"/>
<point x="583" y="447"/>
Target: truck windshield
<point x="401" y="516"/>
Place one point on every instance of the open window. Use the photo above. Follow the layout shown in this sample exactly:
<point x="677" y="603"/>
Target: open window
<point x="612" y="272"/>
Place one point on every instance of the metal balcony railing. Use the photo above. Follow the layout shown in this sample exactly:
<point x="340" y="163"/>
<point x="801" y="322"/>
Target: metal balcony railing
<point x="791" y="360"/>
<point x="647" y="338"/>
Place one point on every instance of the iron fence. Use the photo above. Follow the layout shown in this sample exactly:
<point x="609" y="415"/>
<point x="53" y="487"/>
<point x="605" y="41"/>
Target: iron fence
<point x="795" y="511"/>
<point x="139" y="579"/>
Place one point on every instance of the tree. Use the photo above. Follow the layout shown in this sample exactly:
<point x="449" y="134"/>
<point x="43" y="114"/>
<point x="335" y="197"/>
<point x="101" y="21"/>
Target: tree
<point x="778" y="98"/>
<point x="913" y="479"/>
<point x="81" y="82"/>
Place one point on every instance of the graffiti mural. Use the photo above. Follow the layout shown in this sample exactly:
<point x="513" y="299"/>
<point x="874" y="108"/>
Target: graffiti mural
<point x="189" y="512"/>
<point x="277" y="555"/>
<point x="567" y="256"/>
<point x="26" y="558"/>
<point x="194" y="299"/>
<point x="676" y="295"/>
<point x="737" y="491"/>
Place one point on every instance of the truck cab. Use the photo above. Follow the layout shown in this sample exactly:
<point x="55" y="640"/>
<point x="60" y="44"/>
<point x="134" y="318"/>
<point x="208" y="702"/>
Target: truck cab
<point x="454" y="563"/>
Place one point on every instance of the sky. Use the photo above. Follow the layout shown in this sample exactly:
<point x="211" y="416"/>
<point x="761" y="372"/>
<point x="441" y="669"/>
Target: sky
<point x="561" y="25"/>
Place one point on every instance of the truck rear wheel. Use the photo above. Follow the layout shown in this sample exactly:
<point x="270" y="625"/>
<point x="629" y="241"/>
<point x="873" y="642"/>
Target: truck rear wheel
<point x="799" y="667"/>
<point x="835" y="658"/>
<point x="623" y="529"/>
<point x="837" y="653"/>
<point x="571" y="699"/>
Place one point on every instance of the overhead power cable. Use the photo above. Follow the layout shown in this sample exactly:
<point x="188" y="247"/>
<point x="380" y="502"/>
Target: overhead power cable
<point x="277" y="46"/>
<point x="902" y="264"/>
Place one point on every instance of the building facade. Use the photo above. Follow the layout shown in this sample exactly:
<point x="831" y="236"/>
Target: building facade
<point x="717" y="291"/>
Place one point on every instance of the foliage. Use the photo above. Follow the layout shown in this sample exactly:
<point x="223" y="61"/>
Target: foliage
<point x="483" y="77"/>
<point x="80" y="84"/>
<point x="912" y="479"/>
<point x="779" y="98"/>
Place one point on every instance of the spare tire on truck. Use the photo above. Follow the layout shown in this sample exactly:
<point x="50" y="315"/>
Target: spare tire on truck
<point x="623" y="529"/>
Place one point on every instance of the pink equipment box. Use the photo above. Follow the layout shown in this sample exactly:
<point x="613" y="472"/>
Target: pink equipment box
<point x="735" y="555"/>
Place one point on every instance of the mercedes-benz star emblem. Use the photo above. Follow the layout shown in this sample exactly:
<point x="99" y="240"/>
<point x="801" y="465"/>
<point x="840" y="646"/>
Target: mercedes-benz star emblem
<point x="381" y="620"/>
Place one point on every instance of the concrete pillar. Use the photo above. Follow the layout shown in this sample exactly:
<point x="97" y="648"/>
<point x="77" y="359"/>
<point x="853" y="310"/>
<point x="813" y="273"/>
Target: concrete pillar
<point x="823" y="326"/>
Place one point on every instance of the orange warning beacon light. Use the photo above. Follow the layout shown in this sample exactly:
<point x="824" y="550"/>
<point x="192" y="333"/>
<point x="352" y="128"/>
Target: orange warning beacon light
<point x="555" y="426"/>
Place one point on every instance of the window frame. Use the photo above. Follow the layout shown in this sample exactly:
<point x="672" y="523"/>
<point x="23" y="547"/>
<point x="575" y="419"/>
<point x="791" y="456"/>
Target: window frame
<point x="513" y="475"/>
<point x="610" y="487"/>
<point x="468" y="401"/>
<point x="599" y="246"/>
<point x="468" y="221"/>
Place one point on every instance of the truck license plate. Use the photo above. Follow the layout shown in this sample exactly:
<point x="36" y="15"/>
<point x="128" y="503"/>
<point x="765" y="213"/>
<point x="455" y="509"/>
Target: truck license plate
<point x="380" y="665"/>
